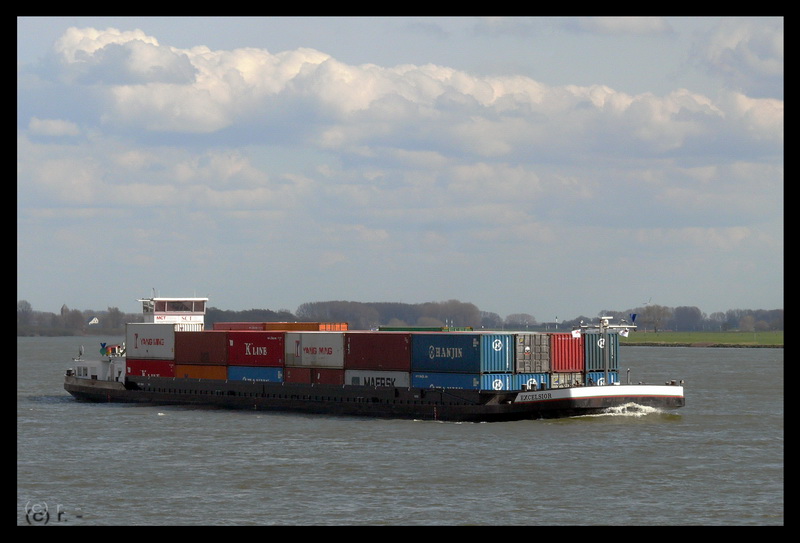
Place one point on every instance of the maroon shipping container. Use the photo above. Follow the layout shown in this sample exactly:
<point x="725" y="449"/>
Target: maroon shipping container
<point x="207" y="347"/>
<point x="246" y="348"/>
<point x="149" y="367"/>
<point x="385" y="351"/>
<point x="327" y="376"/>
<point x="297" y="375"/>
<point x="566" y="353"/>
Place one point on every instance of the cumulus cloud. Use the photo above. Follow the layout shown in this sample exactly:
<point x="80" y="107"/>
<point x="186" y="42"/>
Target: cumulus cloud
<point x="158" y="88"/>
<point x="297" y="148"/>
<point x="748" y="55"/>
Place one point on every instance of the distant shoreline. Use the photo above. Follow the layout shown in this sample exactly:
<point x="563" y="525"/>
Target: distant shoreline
<point x="704" y="344"/>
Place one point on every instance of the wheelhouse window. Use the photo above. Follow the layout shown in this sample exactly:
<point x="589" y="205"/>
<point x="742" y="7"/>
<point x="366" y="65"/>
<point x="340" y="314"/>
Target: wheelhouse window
<point x="179" y="306"/>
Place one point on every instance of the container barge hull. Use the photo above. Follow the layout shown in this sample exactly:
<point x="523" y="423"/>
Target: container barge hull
<point x="382" y="402"/>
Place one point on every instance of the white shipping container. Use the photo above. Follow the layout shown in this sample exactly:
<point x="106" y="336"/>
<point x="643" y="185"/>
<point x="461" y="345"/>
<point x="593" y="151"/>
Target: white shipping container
<point x="377" y="378"/>
<point x="150" y="340"/>
<point x="315" y="349"/>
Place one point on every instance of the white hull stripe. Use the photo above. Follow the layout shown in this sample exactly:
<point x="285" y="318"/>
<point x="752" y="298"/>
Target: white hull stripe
<point x="610" y="391"/>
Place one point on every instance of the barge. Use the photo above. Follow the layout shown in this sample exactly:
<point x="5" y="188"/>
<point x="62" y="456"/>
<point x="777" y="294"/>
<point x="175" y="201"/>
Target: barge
<point x="326" y="369"/>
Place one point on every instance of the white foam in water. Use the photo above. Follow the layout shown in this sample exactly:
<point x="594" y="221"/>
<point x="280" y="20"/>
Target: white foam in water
<point x="628" y="410"/>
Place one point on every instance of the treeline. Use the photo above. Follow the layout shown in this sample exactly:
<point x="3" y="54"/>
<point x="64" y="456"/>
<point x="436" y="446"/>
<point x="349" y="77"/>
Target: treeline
<point x="369" y="315"/>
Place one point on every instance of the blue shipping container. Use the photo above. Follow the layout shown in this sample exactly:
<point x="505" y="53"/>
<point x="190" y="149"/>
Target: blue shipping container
<point x="255" y="373"/>
<point x="598" y="378"/>
<point x="497" y="381"/>
<point x="470" y="381"/>
<point x="531" y="381"/>
<point x="497" y="353"/>
<point x="595" y="346"/>
<point x="447" y="352"/>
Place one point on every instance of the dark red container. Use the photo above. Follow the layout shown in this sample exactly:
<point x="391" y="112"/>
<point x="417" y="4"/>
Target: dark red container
<point x="149" y="367"/>
<point x="246" y="348"/>
<point x="566" y="353"/>
<point x="206" y="347"/>
<point x="387" y="351"/>
<point x="327" y="376"/>
<point x="297" y="375"/>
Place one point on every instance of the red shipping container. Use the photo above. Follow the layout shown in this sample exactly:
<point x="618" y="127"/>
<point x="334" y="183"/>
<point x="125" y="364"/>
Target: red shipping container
<point x="566" y="353"/>
<point x="149" y="367"/>
<point x="246" y="348"/>
<point x="385" y="351"/>
<point x="206" y="347"/>
<point x="327" y="376"/>
<point x="297" y="375"/>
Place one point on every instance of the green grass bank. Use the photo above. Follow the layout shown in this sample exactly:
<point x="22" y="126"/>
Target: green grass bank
<point x="704" y="339"/>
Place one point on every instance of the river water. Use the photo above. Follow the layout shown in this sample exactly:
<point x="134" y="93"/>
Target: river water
<point x="719" y="461"/>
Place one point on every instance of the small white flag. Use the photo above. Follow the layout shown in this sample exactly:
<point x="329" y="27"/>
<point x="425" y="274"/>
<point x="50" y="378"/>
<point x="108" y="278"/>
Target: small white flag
<point x="624" y="332"/>
<point x="94" y="321"/>
<point x="576" y="334"/>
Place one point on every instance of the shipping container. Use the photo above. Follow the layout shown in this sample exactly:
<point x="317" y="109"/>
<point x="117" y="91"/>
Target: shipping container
<point x="597" y="346"/>
<point x="294" y="326"/>
<point x="497" y="353"/>
<point x="334" y="326"/>
<point x="239" y="326"/>
<point x="455" y="380"/>
<point x="315" y="349"/>
<point x="531" y="381"/>
<point x="282" y="326"/>
<point x="150" y="340"/>
<point x="189" y="326"/>
<point x="446" y="352"/>
<point x="201" y="371"/>
<point x="566" y="379"/>
<point x="208" y="347"/>
<point x="497" y="381"/>
<point x="377" y="378"/>
<point x="256" y="373"/>
<point x="149" y="367"/>
<point x="297" y="375"/>
<point x="249" y="348"/>
<point x="327" y="376"/>
<point x="532" y="352"/>
<point x="566" y="353"/>
<point x="377" y="351"/>
<point x="599" y="378"/>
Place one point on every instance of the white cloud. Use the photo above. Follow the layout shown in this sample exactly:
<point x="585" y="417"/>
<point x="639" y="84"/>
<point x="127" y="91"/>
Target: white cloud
<point x="52" y="127"/>
<point x="298" y="157"/>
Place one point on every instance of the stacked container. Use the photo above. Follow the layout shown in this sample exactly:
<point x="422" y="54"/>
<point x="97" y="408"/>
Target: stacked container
<point x="532" y="353"/>
<point x="377" y="359"/>
<point x="201" y="355"/>
<point x="150" y="349"/>
<point x="319" y="357"/>
<point x="463" y="360"/>
<point x="567" y="359"/>
<point x="596" y="346"/>
<point x="492" y="361"/>
<point x="256" y="356"/>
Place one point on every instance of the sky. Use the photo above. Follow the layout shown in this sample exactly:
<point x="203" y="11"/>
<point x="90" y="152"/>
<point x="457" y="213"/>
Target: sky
<point x="552" y="166"/>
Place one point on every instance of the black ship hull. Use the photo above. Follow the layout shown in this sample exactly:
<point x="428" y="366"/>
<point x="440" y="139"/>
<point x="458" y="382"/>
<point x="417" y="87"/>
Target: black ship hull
<point x="456" y="405"/>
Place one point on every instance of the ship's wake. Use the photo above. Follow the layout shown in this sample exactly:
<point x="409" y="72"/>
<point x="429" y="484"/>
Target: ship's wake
<point x="629" y="410"/>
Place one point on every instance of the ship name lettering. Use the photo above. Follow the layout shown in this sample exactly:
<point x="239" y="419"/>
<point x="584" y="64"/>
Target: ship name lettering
<point x="534" y="396"/>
